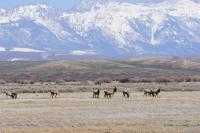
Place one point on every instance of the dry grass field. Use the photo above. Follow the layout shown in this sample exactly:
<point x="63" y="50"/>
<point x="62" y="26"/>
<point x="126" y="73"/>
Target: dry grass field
<point x="171" y="112"/>
<point x="176" y="110"/>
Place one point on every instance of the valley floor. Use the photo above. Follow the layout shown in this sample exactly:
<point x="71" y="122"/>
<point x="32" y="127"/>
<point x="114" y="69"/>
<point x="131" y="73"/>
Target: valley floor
<point x="171" y="112"/>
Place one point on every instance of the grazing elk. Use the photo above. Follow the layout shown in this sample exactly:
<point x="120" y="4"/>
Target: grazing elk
<point x="126" y="94"/>
<point x="96" y="93"/>
<point x="148" y="92"/>
<point x="13" y="95"/>
<point x="110" y="94"/>
<point x="151" y="93"/>
<point x="54" y="93"/>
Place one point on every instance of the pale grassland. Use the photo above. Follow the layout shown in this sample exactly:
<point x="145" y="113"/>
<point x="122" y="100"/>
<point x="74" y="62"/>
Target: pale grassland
<point x="171" y="112"/>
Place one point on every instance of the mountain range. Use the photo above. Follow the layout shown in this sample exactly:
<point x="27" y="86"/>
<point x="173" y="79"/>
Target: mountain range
<point x="100" y="29"/>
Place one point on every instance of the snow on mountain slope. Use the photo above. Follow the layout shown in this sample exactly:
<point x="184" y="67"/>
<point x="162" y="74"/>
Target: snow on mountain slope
<point x="107" y="27"/>
<point x="40" y="14"/>
<point x="130" y="24"/>
<point x="112" y="20"/>
<point x="37" y="11"/>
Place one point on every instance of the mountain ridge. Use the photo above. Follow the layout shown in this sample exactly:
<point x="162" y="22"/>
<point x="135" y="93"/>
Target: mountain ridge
<point x="113" y="29"/>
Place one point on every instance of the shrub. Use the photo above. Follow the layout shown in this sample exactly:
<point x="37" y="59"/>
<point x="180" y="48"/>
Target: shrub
<point x="196" y="79"/>
<point x="163" y="80"/>
<point x="103" y="80"/>
<point x="178" y="79"/>
<point x="60" y="81"/>
<point x="188" y="79"/>
<point x="146" y="80"/>
<point x="124" y="80"/>
<point x="106" y="80"/>
<point x="2" y="81"/>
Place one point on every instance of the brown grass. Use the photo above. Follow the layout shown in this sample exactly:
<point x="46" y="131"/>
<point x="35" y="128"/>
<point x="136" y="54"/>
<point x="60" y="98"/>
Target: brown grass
<point x="171" y="112"/>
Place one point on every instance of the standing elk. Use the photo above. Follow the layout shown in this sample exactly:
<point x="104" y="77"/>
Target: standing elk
<point x="13" y="95"/>
<point x="96" y="93"/>
<point x="54" y="93"/>
<point x="156" y="93"/>
<point x="110" y="94"/>
<point x="148" y="92"/>
<point x="126" y="94"/>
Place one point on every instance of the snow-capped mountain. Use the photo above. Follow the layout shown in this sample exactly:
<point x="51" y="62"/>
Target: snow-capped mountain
<point x="104" y="28"/>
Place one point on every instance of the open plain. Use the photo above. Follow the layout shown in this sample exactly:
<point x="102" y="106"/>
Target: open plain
<point x="175" y="110"/>
<point x="171" y="112"/>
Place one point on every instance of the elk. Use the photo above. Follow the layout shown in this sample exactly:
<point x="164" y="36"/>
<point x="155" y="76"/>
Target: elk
<point x="126" y="94"/>
<point x="13" y="95"/>
<point x="96" y="93"/>
<point x="110" y="94"/>
<point x="156" y="93"/>
<point x="54" y="93"/>
<point x="151" y="93"/>
<point x="147" y="92"/>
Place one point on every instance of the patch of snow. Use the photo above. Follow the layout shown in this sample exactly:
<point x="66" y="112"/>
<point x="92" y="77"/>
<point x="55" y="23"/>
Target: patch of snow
<point x="54" y="27"/>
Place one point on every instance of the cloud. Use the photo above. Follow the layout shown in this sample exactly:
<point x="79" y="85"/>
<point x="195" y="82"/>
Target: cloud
<point x="80" y="52"/>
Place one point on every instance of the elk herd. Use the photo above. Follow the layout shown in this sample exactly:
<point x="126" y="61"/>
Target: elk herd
<point x="108" y="93"/>
<point x="126" y="94"/>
